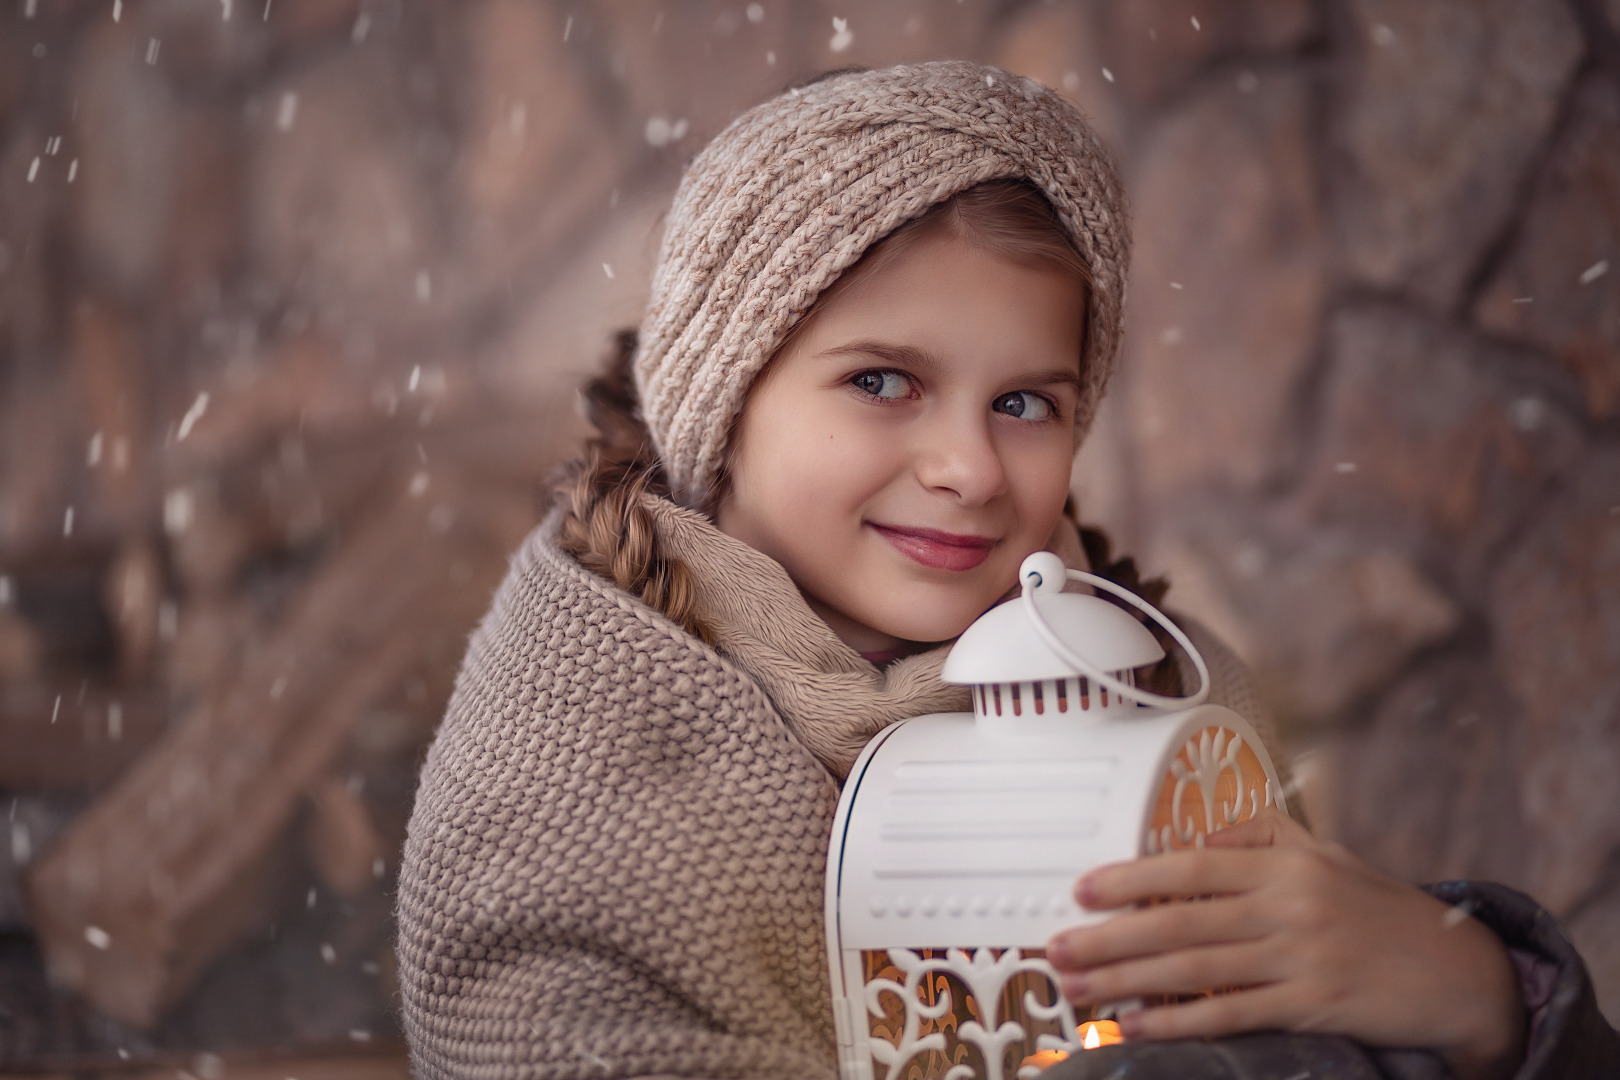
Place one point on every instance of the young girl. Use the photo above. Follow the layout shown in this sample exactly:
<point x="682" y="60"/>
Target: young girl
<point x="883" y="314"/>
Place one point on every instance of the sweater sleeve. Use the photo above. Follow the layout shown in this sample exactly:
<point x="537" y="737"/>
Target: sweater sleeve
<point x="1568" y="1035"/>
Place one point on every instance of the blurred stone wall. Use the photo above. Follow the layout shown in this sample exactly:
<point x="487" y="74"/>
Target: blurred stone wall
<point x="266" y="262"/>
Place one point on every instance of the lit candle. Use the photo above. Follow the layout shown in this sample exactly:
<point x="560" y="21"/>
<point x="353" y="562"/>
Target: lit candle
<point x="1042" y="1059"/>
<point x="1097" y="1033"/>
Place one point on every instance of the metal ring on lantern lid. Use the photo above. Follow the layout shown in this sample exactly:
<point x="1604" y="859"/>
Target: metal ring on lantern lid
<point x="1043" y="574"/>
<point x="1052" y="641"/>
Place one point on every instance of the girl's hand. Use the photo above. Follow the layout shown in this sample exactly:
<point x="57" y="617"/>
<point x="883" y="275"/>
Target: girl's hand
<point x="1314" y="940"/>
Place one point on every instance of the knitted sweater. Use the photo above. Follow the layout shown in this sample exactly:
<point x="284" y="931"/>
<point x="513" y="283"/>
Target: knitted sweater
<point x="615" y="863"/>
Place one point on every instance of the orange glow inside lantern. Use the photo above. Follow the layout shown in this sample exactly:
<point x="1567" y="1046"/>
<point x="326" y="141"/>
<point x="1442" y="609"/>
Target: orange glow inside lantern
<point x="1094" y="1033"/>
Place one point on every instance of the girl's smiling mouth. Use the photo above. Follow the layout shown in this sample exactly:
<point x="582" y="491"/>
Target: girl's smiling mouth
<point x="934" y="549"/>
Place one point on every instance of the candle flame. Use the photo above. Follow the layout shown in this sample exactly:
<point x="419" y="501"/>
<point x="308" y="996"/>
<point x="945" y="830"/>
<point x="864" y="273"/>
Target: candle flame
<point x="1100" y="1033"/>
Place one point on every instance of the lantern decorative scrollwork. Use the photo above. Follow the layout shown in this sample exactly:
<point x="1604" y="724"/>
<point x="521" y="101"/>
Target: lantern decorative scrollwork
<point x="1231" y="787"/>
<point x="998" y="1007"/>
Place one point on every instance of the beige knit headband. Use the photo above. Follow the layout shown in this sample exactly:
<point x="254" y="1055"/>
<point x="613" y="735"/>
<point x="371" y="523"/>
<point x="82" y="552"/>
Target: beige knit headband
<point x="796" y="189"/>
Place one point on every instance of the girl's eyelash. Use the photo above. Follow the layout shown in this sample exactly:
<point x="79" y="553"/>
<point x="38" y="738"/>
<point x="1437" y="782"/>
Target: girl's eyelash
<point x="854" y="383"/>
<point x="1054" y="411"/>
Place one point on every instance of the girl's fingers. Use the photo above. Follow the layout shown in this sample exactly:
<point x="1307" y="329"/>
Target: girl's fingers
<point x="1267" y="828"/>
<point x="1174" y="874"/>
<point x="1155" y="929"/>
<point x="1278" y="1005"/>
<point x="1185" y="971"/>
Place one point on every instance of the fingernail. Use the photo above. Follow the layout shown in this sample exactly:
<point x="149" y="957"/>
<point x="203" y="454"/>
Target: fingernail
<point x="1130" y="1024"/>
<point x="1085" y="892"/>
<point x="1075" y="986"/>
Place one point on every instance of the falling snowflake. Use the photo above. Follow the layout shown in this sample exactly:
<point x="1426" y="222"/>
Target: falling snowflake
<point x="661" y="132"/>
<point x="842" y="37"/>
<point x="193" y="414"/>
<point x="288" y="112"/>
<point x="177" y="511"/>
<point x="1527" y="413"/>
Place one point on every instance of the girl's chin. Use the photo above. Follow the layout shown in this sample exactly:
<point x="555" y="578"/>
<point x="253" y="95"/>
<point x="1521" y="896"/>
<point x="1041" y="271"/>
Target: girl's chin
<point x="927" y="627"/>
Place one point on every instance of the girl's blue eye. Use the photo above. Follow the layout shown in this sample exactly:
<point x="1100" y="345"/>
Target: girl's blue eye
<point x="1024" y="405"/>
<point x="891" y="385"/>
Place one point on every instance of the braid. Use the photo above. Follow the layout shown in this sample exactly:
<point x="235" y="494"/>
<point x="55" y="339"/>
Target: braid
<point x="605" y="525"/>
<point x="1121" y="571"/>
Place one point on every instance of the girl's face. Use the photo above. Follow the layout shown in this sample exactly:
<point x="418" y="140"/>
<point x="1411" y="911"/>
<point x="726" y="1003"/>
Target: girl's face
<point x="912" y="444"/>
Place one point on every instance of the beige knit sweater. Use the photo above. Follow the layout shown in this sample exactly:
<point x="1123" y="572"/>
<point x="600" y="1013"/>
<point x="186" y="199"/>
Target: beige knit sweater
<point x="614" y="867"/>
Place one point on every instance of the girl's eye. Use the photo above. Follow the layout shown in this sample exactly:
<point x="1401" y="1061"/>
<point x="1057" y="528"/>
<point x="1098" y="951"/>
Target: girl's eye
<point x="1024" y="405"/>
<point x="891" y="385"/>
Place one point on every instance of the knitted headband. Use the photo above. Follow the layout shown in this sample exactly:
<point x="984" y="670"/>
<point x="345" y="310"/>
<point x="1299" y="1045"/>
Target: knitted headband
<point x="795" y="190"/>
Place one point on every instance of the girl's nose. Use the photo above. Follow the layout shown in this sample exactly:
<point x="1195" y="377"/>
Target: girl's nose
<point x="962" y="460"/>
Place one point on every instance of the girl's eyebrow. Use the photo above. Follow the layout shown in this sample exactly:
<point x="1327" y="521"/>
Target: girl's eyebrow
<point x="913" y="358"/>
<point x="903" y="355"/>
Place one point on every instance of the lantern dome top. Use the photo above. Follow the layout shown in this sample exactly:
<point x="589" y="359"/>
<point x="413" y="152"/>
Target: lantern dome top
<point x="1002" y="646"/>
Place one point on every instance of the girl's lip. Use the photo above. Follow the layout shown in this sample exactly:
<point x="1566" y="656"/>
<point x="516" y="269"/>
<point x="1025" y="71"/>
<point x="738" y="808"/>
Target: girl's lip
<point x="935" y="549"/>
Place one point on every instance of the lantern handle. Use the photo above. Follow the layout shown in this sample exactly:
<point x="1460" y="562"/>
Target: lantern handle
<point x="1040" y="574"/>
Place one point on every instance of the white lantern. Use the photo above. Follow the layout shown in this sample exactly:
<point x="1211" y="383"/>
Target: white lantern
<point x="959" y="836"/>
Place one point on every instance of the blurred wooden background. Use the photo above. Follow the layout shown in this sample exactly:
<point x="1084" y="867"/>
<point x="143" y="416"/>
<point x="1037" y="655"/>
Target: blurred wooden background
<point x="294" y="296"/>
